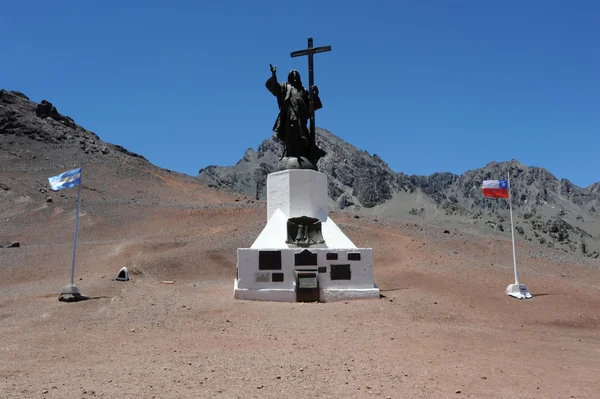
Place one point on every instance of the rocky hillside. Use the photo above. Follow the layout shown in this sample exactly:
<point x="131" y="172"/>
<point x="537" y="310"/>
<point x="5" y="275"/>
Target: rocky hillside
<point x="36" y="136"/>
<point x="552" y="212"/>
<point x="37" y="141"/>
<point x="355" y="177"/>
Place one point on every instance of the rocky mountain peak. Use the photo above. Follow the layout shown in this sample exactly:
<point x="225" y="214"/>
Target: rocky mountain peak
<point x="30" y="122"/>
<point x="365" y="183"/>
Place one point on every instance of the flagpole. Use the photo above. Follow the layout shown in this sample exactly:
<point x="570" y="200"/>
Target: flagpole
<point x="76" y="227"/>
<point x="512" y="230"/>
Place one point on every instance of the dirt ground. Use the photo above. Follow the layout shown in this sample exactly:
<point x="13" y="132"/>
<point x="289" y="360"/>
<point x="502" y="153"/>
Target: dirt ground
<point x="443" y="328"/>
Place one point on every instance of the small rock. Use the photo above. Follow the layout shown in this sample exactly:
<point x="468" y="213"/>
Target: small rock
<point x="48" y="199"/>
<point x="446" y="231"/>
<point x="45" y="391"/>
<point x="260" y="386"/>
<point x="459" y="391"/>
<point x="15" y="244"/>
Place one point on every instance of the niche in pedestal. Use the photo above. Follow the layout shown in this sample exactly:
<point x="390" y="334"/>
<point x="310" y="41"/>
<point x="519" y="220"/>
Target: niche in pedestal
<point x="304" y="231"/>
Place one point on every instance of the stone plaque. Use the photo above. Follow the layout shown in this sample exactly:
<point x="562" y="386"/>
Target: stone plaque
<point x="332" y="256"/>
<point x="354" y="256"/>
<point x="307" y="282"/>
<point x="305" y="258"/>
<point x="269" y="260"/>
<point x="262" y="277"/>
<point x="341" y="272"/>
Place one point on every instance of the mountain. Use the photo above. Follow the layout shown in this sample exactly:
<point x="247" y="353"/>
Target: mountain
<point x="355" y="178"/>
<point x="37" y="142"/>
<point x="553" y="212"/>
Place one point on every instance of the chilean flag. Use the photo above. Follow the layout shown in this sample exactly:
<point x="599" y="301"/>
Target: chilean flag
<point x="495" y="188"/>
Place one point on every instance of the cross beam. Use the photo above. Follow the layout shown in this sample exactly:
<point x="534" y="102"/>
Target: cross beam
<point x="310" y="51"/>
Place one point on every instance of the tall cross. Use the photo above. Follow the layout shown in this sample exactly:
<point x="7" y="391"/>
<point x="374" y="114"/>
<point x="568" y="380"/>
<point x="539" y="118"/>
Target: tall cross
<point x="310" y="51"/>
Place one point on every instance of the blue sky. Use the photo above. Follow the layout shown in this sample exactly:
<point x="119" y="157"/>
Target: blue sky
<point x="429" y="86"/>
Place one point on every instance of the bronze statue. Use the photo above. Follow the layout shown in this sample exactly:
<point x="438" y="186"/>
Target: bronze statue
<point x="294" y="114"/>
<point x="297" y="106"/>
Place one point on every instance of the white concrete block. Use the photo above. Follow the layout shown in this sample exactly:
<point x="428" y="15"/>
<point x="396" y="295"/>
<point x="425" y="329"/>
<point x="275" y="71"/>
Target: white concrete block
<point x="344" y="294"/>
<point x="274" y="234"/>
<point x="342" y="271"/>
<point x="297" y="192"/>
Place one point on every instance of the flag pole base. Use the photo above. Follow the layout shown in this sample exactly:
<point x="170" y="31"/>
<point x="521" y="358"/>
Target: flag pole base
<point x="518" y="291"/>
<point x="70" y="293"/>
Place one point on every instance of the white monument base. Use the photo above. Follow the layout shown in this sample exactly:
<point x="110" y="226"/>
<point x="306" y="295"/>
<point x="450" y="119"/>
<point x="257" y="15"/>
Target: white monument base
<point x="518" y="291"/>
<point x="333" y="295"/>
<point x="268" y="294"/>
<point x="313" y="262"/>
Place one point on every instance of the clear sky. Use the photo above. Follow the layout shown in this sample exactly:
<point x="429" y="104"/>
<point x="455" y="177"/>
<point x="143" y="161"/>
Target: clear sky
<point x="429" y="86"/>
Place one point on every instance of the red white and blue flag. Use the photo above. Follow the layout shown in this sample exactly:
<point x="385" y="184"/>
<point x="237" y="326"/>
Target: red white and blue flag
<point x="495" y="188"/>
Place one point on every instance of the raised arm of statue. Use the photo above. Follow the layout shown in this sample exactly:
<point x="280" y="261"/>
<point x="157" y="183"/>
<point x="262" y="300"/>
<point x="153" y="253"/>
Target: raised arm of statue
<point x="271" y="83"/>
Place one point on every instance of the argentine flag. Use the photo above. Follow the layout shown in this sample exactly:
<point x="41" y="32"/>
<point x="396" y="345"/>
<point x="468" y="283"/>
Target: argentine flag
<point x="67" y="179"/>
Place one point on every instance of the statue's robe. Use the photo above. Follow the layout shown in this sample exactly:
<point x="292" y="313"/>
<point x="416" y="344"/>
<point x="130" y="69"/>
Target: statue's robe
<point x="291" y="122"/>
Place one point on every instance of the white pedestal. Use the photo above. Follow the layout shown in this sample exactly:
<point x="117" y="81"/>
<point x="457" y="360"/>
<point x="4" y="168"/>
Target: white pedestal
<point x="518" y="291"/>
<point x="274" y="270"/>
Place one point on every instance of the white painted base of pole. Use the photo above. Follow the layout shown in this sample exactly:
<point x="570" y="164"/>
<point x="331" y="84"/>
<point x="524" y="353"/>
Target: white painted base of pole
<point x="70" y="293"/>
<point x="518" y="291"/>
<point x="70" y="289"/>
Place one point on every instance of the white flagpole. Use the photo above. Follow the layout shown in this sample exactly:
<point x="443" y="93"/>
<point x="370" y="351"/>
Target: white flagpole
<point x="512" y="230"/>
<point x="76" y="227"/>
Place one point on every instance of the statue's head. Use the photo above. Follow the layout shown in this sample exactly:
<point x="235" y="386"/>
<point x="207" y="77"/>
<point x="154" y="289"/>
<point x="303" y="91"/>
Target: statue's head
<point x="294" y="78"/>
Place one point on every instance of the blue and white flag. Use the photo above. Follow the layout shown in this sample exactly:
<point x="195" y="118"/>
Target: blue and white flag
<point x="67" y="179"/>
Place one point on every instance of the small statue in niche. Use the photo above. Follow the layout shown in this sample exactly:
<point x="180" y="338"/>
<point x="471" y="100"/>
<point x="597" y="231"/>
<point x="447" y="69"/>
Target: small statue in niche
<point x="304" y="231"/>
